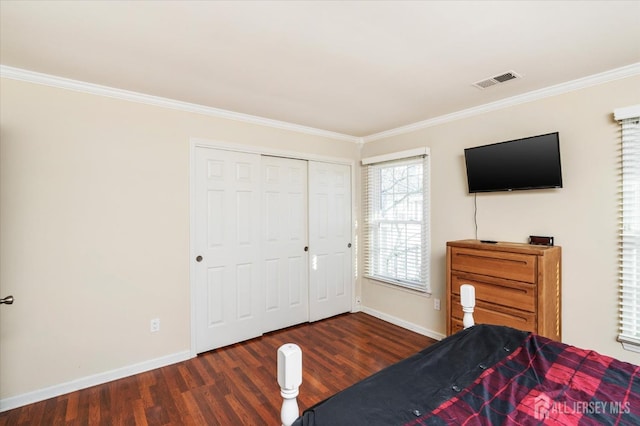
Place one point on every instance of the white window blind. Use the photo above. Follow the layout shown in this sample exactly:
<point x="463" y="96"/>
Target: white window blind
<point x="396" y="215"/>
<point x="629" y="247"/>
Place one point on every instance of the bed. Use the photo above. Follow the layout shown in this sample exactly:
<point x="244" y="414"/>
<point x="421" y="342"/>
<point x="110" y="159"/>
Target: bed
<point x="484" y="374"/>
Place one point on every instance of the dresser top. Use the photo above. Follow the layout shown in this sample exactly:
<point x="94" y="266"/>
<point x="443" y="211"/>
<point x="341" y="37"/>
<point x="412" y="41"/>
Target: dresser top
<point x="505" y="246"/>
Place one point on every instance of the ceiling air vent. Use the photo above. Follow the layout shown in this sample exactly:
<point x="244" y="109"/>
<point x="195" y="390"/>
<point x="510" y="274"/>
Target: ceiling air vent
<point x="492" y="81"/>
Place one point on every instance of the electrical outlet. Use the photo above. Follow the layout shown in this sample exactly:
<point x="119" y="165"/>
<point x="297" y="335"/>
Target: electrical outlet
<point x="436" y="304"/>
<point x="155" y="325"/>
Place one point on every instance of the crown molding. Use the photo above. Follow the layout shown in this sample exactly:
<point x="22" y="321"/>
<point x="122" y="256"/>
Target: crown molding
<point x="605" y="77"/>
<point x="96" y="89"/>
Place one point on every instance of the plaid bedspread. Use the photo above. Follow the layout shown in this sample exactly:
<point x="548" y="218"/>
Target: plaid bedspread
<point x="544" y="382"/>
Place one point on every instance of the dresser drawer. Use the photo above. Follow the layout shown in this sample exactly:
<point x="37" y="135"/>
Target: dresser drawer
<point x="514" y="294"/>
<point x="456" y="325"/>
<point x="485" y="313"/>
<point x="513" y="266"/>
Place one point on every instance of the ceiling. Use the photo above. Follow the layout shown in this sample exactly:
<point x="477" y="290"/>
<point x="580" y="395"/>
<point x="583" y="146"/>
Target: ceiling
<point x="352" y="67"/>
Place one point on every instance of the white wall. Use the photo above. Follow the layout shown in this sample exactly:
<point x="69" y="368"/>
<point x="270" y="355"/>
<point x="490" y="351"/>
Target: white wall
<point x="94" y="229"/>
<point x="582" y="216"/>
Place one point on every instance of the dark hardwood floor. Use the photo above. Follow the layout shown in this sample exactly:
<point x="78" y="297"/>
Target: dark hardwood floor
<point x="235" y="385"/>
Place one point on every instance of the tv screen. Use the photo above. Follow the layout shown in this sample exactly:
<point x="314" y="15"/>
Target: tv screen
<point x="528" y="163"/>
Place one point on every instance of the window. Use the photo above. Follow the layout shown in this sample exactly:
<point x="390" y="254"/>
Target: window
<point x="629" y="247"/>
<point x="396" y="219"/>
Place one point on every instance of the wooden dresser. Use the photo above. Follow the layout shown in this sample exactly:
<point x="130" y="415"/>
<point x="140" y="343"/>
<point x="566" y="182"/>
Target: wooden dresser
<point x="518" y="285"/>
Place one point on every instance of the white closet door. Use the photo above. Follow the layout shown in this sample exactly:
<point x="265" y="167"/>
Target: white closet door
<point x="330" y="284"/>
<point x="285" y="260"/>
<point x="227" y="242"/>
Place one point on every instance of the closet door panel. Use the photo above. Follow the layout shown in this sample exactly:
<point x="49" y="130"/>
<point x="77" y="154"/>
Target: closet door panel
<point x="228" y="245"/>
<point x="285" y="260"/>
<point x="330" y="286"/>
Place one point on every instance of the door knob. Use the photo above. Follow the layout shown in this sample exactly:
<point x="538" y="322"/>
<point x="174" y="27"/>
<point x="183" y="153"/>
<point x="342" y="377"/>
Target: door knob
<point x="199" y="259"/>
<point x="7" y="300"/>
<point x="349" y="245"/>
<point x="306" y="248"/>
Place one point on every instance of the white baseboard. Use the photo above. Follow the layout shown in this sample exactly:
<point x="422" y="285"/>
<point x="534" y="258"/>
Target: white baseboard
<point x="86" y="382"/>
<point x="402" y="323"/>
<point x="119" y="373"/>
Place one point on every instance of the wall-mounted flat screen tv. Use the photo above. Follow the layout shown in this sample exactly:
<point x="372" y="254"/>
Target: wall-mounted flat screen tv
<point x="528" y="163"/>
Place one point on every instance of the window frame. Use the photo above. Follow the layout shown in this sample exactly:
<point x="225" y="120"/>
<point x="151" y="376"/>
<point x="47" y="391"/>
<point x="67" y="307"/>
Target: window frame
<point x="629" y="230"/>
<point x="371" y="223"/>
